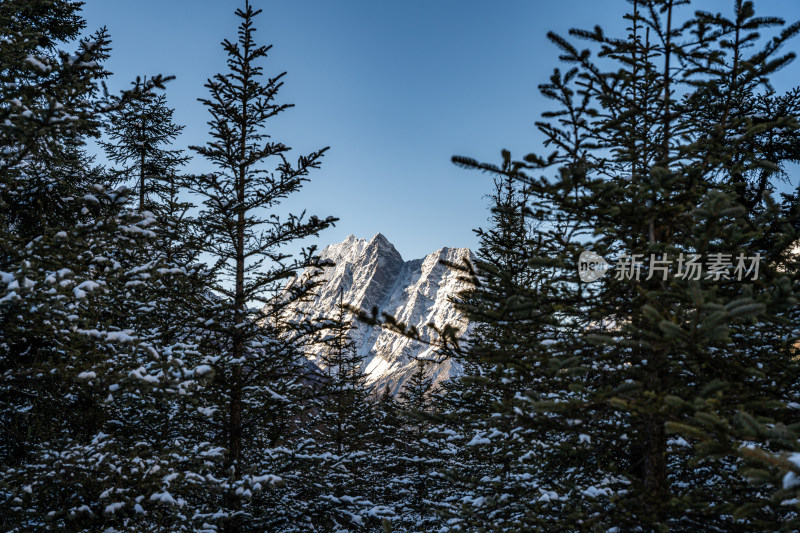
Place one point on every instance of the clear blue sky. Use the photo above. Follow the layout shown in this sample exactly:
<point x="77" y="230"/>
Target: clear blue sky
<point x="394" y="88"/>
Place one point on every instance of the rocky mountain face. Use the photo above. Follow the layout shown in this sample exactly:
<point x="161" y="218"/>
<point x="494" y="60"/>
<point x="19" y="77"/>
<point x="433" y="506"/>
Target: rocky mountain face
<point x="372" y="274"/>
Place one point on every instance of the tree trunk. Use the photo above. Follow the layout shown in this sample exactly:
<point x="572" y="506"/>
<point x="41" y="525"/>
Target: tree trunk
<point x="235" y="414"/>
<point x="141" y="171"/>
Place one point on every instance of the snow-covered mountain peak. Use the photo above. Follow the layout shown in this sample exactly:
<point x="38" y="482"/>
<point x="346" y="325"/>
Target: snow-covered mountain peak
<point x="373" y="275"/>
<point x="380" y="240"/>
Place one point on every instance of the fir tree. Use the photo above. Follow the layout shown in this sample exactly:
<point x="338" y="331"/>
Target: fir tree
<point x="256" y="373"/>
<point x="49" y="107"/>
<point x="50" y="236"/>
<point x="497" y="471"/>
<point x="685" y="385"/>
<point x="167" y="303"/>
<point x="342" y="429"/>
<point x="139" y="133"/>
<point x="89" y="386"/>
<point x="417" y="453"/>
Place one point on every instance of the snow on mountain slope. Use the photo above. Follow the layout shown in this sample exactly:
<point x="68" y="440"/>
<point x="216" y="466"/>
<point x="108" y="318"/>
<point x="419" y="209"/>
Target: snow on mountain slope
<point x="372" y="274"/>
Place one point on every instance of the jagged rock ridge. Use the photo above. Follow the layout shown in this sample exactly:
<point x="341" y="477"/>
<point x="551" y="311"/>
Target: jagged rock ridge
<point x="372" y="274"/>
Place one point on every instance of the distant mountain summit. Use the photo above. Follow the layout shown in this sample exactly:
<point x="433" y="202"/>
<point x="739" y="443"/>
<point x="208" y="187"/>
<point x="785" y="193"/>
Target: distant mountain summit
<point x="372" y="274"/>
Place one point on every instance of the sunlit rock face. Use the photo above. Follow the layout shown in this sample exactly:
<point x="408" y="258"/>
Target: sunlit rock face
<point x="372" y="274"/>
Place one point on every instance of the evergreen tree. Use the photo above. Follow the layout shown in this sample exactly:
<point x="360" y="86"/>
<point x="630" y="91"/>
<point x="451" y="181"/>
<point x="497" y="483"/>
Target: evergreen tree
<point x="257" y="371"/>
<point x="140" y="131"/>
<point x="88" y="387"/>
<point x="167" y="302"/>
<point x="666" y="393"/>
<point x="339" y="490"/>
<point x="498" y="469"/>
<point x="417" y="454"/>
<point x="49" y="106"/>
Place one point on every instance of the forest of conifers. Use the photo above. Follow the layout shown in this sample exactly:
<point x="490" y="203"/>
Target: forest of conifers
<point x="153" y="378"/>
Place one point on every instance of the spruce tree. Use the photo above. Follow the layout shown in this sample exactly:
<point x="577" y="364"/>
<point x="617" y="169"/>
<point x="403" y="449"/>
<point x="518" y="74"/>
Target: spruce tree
<point x="339" y="492"/>
<point x="256" y="369"/>
<point x="167" y="302"/>
<point x="140" y="130"/>
<point x="417" y="454"/>
<point x="88" y="385"/>
<point x="497" y="471"/>
<point x="48" y="105"/>
<point x="668" y="393"/>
